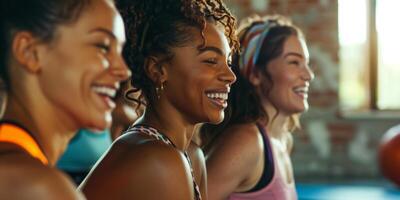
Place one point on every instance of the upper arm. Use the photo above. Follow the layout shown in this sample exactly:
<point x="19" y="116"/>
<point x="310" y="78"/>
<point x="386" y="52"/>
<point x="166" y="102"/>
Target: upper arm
<point x="199" y="167"/>
<point x="145" y="171"/>
<point x="232" y="159"/>
<point x="57" y="185"/>
<point x="164" y="175"/>
<point x="36" y="183"/>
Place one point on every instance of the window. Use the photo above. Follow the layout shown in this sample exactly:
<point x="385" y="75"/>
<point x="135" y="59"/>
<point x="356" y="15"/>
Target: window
<point x="369" y="58"/>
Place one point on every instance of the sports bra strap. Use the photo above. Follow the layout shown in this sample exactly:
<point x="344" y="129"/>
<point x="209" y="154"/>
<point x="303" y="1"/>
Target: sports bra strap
<point x="16" y="135"/>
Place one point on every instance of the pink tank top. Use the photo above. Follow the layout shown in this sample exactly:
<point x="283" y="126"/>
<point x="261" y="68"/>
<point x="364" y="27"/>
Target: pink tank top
<point x="277" y="189"/>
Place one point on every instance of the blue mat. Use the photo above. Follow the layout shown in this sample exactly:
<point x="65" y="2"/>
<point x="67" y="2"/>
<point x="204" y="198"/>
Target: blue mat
<point x="346" y="192"/>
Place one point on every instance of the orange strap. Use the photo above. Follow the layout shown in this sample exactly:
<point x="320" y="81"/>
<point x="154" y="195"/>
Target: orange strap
<point x="16" y="135"/>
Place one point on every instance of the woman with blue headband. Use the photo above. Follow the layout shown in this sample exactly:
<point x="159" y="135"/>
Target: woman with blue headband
<point x="248" y="155"/>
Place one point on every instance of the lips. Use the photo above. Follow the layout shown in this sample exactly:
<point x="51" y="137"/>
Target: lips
<point x="106" y="93"/>
<point x="219" y="97"/>
<point x="301" y="91"/>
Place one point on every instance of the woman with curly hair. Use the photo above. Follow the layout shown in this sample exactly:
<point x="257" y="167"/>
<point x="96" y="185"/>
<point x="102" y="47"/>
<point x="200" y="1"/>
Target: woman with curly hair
<point x="179" y="52"/>
<point x="61" y="64"/>
<point x="248" y="154"/>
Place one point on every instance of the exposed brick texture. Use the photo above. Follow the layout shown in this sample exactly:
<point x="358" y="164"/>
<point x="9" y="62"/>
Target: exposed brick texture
<point x="328" y="147"/>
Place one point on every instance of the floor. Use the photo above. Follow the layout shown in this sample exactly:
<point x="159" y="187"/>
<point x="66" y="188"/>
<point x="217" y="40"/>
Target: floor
<point x="355" y="191"/>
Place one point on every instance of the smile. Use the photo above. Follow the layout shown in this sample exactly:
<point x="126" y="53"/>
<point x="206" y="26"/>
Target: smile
<point x="302" y="92"/>
<point x="219" y="99"/>
<point x="107" y="94"/>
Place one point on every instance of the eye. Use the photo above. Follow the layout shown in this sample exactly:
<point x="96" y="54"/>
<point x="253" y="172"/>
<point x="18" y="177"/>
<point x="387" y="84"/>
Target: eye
<point x="294" y="62"/>
<point x="103" y="47"/>
<point x="212" y="61"/>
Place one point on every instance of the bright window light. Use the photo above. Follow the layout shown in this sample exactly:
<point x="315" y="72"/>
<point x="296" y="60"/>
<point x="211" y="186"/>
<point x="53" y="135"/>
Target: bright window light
<point x="353" y="83"/>
<point x="387" y="12"/>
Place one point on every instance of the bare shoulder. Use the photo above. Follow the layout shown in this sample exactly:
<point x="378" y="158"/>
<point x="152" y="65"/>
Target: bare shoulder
<point x="240" y="138"/>
<point x="139" y="164"/>
<point x="23" y="177"/>
<point x="135" y="148"/>
<point x="233" y="159"/>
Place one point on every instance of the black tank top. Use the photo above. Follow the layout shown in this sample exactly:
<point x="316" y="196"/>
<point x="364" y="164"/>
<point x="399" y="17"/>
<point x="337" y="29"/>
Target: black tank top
<point x="268" y="171"/>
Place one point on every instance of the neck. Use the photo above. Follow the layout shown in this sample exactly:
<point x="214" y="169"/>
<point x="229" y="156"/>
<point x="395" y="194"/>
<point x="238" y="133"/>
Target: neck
<point x="116" y="131"/>
<point x="170" y="122"/>
<point x="278" y="122"/>
<point x="45" y="125"/>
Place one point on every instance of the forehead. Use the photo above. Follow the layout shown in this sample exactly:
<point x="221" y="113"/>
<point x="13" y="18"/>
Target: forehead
<point x="295" y="44"/>
<point x="214" y="36"/>
<point x="101" y="14"/>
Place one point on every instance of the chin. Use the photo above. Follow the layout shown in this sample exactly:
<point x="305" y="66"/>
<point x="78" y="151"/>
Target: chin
<point x="216" y="119"/>
<point x="298" y="109"/>
<point x="305" y="106"/>
<point x="100" y="124"/>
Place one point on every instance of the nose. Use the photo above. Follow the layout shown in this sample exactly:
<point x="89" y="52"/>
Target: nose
<point x="308" y="74"/>
<point x="119" y="68"/>
<point x="228" y="76"/>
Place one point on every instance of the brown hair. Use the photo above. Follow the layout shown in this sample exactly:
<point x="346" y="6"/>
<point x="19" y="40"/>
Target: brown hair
<point x="244" y="103"/>
<point x="40" y="17"/>
<point x="154" y="27"/>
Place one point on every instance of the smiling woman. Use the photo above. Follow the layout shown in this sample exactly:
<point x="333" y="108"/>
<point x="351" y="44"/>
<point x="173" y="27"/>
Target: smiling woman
<point x="248" y="153"/>
<point x="179" y="51"/>
<point x="61" y="63"/>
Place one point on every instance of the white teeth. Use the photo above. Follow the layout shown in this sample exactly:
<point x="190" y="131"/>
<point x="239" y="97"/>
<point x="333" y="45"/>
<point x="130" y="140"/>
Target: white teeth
<point x="301" y="90"/>
<point x="223" y="96"/>
<point x="105" y="91"/>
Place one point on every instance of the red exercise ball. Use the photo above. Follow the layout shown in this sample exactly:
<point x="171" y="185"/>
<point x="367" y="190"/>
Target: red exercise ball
<point x="389" y="155"/>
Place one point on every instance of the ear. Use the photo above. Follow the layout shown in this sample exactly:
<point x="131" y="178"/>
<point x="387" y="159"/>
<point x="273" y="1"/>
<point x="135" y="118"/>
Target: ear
<point x="25" y="51"/>
<point x="155" y="70"/>
<point x="255" y="78"/>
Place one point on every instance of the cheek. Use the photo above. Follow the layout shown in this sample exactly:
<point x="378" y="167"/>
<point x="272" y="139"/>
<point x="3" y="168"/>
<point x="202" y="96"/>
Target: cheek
<point x="284" y="83"/>
<point x="188" y="91"/>
<point x="189" y="82"/>
<point x="179" y="90"/>
<point x="67" y="82"/>
<point x="72" y="87"/>
<point x="59" y="76"/>
<point x="281" y="90"/>
<point x="193" y="92"/>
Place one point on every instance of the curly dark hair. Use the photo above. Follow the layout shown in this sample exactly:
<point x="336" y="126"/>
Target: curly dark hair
<point x="154" y="27"/>
<point x="244" y="102"/>
<point x="40" y="17"/>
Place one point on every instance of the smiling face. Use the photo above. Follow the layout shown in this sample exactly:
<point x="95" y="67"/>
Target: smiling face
<point x="291" y="76"/>
<point x="199" y="79"/>
<point x="82" y="67"/>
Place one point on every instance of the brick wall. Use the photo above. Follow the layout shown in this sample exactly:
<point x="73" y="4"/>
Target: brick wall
<point x="328" y="147"/>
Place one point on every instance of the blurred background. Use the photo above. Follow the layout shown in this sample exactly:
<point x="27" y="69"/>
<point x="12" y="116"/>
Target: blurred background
<point x="355" y="97"/>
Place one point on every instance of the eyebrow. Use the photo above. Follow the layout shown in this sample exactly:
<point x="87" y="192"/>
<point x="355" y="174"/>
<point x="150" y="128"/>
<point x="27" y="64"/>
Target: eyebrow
<point x="293" y="54"/>
<point x="211" y="48"/>
<point x="103" y="30"/>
